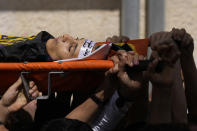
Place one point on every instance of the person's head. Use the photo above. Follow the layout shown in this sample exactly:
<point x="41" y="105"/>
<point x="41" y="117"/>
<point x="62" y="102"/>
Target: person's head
<point x="20" y="120"/>
<point x="65" y="47"/>
<point x="64" y="124"/>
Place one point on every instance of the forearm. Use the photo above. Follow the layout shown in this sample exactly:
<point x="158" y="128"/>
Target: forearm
<point x="179" y="106"/>
<point x="160" y="110"/>
<point x="86" y="110"/>
<point x="3" y="112"/>
<point x="190" y="75"/>
<point x="2" y="128"/>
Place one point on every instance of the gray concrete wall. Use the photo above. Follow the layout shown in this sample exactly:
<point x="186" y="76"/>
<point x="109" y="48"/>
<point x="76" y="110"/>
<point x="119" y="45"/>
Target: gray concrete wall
<point x="93" y="19"/>
<point x="182" y="14"/>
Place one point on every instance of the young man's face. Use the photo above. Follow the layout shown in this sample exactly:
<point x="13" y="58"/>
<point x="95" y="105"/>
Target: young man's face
<point x="66" y="46"/>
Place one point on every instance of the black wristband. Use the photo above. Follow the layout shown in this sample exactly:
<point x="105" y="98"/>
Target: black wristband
<point x="97" y="100"/>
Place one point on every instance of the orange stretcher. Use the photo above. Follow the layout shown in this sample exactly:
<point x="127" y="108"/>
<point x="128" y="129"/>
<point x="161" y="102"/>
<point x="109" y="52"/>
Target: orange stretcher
<point x="66" y="76"/>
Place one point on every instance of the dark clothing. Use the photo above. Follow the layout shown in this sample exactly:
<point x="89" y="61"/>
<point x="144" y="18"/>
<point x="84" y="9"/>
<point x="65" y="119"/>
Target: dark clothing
<point x="64" y="124"/>
<point x="157" y="127"/>
<point x="31" y="50"/>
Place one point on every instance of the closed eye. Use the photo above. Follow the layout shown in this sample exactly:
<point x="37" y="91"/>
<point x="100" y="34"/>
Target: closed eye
<point x="69" y="48"/>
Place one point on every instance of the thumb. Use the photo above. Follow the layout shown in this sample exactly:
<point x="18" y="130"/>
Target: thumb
<point x="16" y="85"/>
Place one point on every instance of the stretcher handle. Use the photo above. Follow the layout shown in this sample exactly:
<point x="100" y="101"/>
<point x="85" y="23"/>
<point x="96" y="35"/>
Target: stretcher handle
<point x="26" y="87"/>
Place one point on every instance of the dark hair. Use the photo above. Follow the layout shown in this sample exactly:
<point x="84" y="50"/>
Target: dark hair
<point x="64" y="124"/>
<point x="20" y="120"/>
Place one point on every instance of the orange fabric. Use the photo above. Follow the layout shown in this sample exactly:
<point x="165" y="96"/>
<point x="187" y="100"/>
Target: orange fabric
<point x="81" y="75"/>
<point x="141" y="45"/>
<point x="39" y="73"/>
<point x="50" y="66"/>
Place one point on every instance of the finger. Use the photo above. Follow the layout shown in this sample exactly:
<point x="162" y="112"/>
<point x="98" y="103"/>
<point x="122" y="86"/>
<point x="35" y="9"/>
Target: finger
<point x="162" y="48"/>
<point x="159" y="35"/>
<point x="124" y="78"/>
<point x="141" y="57"/>
<point x="31" y="84"/>
<point x="152" y="42"/>
<point x="130" y="60"/>
<point x="35" y="94"/>
<point x="33" y="89"/>
<point x="131" y="52"/>
<point x="187" y="40"/>
<point x="115" y="60"/>
<point x="122" y="55"/>
<point x="40" y="93"/>
<point x="152" y="65"/>
<point x="16" y="85"/>
<point x="164" y="36"/>
<point x="109" y="39"/>
<point x="115" y="39"/>
<point x="136" y="60"/>
<point x="176" y="55"/>
<point x="154" y="55"/>
<point x="182" y="32"/>
<point x="124" y="39"/>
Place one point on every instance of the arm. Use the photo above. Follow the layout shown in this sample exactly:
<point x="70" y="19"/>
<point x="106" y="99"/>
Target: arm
<point x="186" y="46"/>
<point x="160" y="110"/>
<point x="89" y="108"/>
<point x="2" y="128"/>
<point x="179" y="105"/>
<point x="129" y="91"/>
<point x="167" y="50"/>
<point x="86" y="110"/>
<point x="14" y="98"/>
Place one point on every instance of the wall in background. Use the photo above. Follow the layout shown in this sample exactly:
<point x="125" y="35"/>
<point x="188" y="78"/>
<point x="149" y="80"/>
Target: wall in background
<point x="93" y="19"/>
<point x="90" y="19"/>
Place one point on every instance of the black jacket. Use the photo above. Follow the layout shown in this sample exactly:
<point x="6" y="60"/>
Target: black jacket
<point x="24" y="49"/>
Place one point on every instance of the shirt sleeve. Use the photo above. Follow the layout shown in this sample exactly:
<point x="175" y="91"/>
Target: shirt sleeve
<point x="110" y="116"/>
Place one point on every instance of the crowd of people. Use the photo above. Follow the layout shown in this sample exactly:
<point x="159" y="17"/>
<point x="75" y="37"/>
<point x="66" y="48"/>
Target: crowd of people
<point x="121" y="101"/>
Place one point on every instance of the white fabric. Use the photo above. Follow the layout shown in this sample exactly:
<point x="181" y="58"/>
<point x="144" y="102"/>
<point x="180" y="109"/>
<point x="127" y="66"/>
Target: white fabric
<point x="99" y="54"/>
<point x="86" y="48"/>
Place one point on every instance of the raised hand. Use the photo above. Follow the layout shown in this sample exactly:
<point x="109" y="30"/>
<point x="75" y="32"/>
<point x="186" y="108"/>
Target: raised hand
<point x="184" y="41"/>
<point x="163" y="79"/>
<point x="130" y="83"/>
<point x="14" y="98"/>
<point x="165" y="46"/>
<point x="117" y="39"/>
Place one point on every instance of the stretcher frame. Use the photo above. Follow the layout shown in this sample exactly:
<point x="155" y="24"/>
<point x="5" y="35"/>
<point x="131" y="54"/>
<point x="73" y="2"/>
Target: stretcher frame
<point x="54" y="68"/>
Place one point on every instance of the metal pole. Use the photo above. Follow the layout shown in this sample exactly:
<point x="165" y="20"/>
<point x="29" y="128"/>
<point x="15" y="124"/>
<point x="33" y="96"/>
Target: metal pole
<point x="130" y="18"/>
<point x="155" y="16"/>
